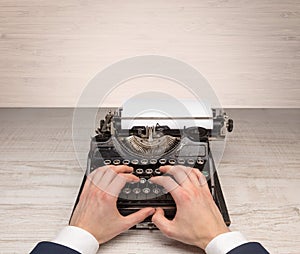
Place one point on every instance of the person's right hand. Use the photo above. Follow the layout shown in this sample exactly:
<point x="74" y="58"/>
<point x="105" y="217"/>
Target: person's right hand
<point x="198" y="219"/>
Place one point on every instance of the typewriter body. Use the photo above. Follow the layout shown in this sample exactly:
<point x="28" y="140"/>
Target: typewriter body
<point x="146" y="148"/>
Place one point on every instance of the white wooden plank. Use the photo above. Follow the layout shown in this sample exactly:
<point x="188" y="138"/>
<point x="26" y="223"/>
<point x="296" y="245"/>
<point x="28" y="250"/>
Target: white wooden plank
<point x="248" y="50"/>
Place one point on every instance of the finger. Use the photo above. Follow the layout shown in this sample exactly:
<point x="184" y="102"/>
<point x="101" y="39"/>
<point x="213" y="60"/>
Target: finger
<point x="121" y="168"/>
<point x="119" y="182"/>
<point x="96" y="175"/>
<point x="169" y="184"/>
<point x="203" y="183"/>
<point x="202" y="179"/>
<point x="180" y="174"/>
<point x="162" y="222"/>
<point x="103" y="177"/>
<point x="99" y="172"/>
<point x="111" y="173"/>
<point x="138" y="216"/>
<point x="194" y="176"/>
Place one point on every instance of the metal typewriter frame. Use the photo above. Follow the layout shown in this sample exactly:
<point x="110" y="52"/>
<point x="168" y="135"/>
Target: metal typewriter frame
<point x="112" y="124"/>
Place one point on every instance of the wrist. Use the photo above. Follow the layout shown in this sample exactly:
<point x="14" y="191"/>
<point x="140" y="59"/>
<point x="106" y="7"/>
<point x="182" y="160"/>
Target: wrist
<point x="210" y="236"/>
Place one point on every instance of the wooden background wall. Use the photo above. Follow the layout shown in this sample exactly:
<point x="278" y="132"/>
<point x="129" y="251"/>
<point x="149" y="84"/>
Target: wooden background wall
<point x="248" y="50"/>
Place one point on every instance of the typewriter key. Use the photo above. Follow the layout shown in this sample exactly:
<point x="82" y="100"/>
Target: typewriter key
<point x="200" y="161"/>
<point x="107" y="162"/>
<point x="135" y="161"/>
<point x="126" y="162"/>
<point x="136" y="190"/>
<point x="172" y="161"/>
<point x="126" y="190"/>
<point x="146" y="190"/>
<point x="149" y="171"/>
<point x="181" y="161"/>
<point x="153" y="161"/>
<point x="139" y="171"/>
<point x="157" y="171"/>
<point x="156" y="191"/>
<point x="162" y="161"/>
<point x="164" y="191"/>
<point x="144" y="161"/>
<point x="116" y="162"/>
<point x="191" y="161"/>
<point x="143" y="180"/>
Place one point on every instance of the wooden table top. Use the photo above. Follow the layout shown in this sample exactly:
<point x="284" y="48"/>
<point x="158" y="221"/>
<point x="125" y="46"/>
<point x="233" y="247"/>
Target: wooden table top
<point x="40" y="178"/>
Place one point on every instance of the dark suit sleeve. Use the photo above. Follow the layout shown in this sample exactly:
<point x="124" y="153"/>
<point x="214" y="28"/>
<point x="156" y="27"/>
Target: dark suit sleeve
<point x="249" y="248"/>
<point x="52" y="248"/>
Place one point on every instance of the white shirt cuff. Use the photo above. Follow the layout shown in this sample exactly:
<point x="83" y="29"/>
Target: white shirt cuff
<point x="224" y="243"/>
<point x="77" y="239"/>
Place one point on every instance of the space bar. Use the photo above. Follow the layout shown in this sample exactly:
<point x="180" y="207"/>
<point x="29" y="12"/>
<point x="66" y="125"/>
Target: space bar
<point x="162" y="204"/>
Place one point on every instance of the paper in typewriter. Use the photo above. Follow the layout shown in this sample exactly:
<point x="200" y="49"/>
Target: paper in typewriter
<point x="166" y="110"/>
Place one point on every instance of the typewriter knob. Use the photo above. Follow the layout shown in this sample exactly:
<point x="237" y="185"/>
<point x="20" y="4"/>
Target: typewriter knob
<point x="229" y="125"/>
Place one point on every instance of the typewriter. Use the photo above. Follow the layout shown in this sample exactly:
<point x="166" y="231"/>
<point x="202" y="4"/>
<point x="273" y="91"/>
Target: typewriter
<point x="146" y="148"/>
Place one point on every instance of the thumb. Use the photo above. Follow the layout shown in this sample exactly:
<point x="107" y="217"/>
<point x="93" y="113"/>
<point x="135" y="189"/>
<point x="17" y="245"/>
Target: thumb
<point x="139" y="216"/>
<point x="161" y="221"/>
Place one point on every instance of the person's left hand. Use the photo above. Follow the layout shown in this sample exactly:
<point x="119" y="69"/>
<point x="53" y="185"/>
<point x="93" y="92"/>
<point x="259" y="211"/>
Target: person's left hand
<point x="96" y="211"/>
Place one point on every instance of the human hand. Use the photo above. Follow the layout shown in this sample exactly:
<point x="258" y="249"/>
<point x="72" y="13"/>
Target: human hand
<point x="96" y="211"/>
<point x="198" y="219"/>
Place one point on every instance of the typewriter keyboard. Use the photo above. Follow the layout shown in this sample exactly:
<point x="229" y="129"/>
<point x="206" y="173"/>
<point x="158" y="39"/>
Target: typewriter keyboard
<point x="144" y="189"/>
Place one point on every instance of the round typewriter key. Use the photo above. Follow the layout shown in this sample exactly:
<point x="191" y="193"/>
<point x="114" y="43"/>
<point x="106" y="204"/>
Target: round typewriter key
<point x="144" y="161"/>
<point x="135" y="161"/>
<point x="107" y="162"/>
<point x="136" y="190"/>
<point x="153" y="161"/>
<point x="191" y="161"/>
<point x="162" y="161"/>
<point x="149" y="171"/>
<point x="126" y="190"/>
<point x="172" y="161"/>
<point x="126" y="162"/>
<point x="181" y="161"/>
<point x="139" y="171"/>
<point x="116" y="162"/>
<point x="200" y="161"/>
<point x="143" y="180"/>
<point x="146" y="190"/>
<point x="156" y="190"/>
<point x="164" y="191"/>
<point x="157" y="171"/>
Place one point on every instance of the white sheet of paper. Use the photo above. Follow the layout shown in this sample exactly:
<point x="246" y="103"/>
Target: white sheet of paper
<point x="158" y="108"/>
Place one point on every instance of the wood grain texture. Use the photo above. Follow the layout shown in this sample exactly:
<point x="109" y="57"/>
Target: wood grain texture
<point x="40" y="178"/>
<point x="248" y="50"/>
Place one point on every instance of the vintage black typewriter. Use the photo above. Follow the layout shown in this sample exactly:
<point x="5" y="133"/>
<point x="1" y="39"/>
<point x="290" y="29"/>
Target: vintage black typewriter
<point x="147" y="148"/>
